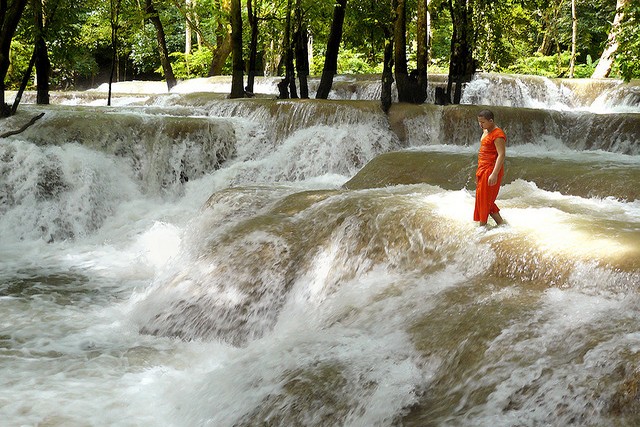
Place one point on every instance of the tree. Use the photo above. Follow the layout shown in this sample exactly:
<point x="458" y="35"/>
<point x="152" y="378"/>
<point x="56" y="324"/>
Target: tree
<point x="461" y="63"/>
<point x="223" y="40"/>
<point x="387" y="71"/>
<point x="154" y="17"/>
<point x="39" y="58"/>
<point x="333" y="46"/>
<point x="253" y="44"/>
<point x="574" y="37"/>
<point x="40" y="52"/>
<point x="237" y="76"/>
<point x="289" y="74"/>
<point x="422" y="60"/>
<point x="403" y="82"/>
<point x="301" y="46"/>
<point x="10" y="14"/>
<point x="550" y="17"/>
<point x="115" y="17"/>
<point x="628" y="55"/>
<point x="608" y="54"/>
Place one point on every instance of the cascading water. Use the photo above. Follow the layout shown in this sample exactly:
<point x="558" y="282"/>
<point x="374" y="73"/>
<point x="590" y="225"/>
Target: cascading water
<point x="187" y="260"/>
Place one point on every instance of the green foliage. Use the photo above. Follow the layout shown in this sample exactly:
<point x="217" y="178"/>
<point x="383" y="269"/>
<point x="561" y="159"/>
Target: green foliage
<point x="349" y="62"/>
<point x="628" y="57"/>
<point x="442" y="30"/>
<point x="196" y="64"/>
<point x="552" y="66"/>
<point x="144" y="50"/>
<point x="20" y="57"/>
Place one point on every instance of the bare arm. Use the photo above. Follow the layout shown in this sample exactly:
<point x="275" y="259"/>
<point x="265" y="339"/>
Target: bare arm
<point x="501" y="148"/>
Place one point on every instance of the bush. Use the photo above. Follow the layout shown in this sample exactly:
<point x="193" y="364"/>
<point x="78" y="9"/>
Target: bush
<point x="191" y="65"/>
<point x="349" y="62"/>
<point x="552" y="66"/>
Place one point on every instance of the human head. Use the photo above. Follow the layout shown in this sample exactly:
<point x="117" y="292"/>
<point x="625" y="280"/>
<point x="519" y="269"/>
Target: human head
<point x="487" y="114"/>
<point x="485" y="119"/>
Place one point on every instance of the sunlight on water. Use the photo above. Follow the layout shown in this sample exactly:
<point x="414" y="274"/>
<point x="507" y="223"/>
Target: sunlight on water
<point x="556" y="232"/>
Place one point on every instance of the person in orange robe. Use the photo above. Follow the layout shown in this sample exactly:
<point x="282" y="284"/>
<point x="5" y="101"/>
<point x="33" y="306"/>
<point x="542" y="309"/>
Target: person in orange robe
<point x="490" y="169"/>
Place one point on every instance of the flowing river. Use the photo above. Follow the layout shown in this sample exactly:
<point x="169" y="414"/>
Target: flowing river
<point x="184" y="259"/>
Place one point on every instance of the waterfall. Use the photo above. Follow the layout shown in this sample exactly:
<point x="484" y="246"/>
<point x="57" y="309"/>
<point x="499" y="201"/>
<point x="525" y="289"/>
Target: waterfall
<point x="187" y="259"/>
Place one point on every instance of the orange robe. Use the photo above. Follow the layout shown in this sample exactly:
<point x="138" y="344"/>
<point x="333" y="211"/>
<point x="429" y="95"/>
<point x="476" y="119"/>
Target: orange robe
<point x="486" y="194"/>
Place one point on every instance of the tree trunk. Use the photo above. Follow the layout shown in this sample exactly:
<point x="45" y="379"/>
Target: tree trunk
<point x="237" y="76"/>
<point x="222" y="49"/>
<point x="253" y="45"/>
<point x="422" y="60"/>
<point x="603" y="69"/>
<point x="404" y="84"/>
<point x="387" y="71"/>
<point x="333" y="47"/>
<point x="301" y="43"/>
<point x="115" y="16"/>
<point x="162" y="44"/>
<point x="9" y="18"/>
<point x="43" y="66"/>
<point x="187" y="29"/>
<point x="289" y="74"/>
<point x="574" y="38"/>
<point x="196" y="19"/>
<point x="24" y="83"/>
<point x="220" y="56"/>
<point x="461" y="64"/>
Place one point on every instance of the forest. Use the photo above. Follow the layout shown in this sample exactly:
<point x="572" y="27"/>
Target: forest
<point x="72" y="44"/>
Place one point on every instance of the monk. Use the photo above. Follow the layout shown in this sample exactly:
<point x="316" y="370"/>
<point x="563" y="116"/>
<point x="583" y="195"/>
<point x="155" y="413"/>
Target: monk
<point x="490" y="169"/>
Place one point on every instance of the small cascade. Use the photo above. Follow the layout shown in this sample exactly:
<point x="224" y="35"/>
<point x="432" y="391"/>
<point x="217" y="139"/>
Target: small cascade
<point x="584" y="177"/>
<point x="282" y="117"/>
<point x="161" y="151"/>
<point x="600" y="96"/>
<point x="58" y="192"/>
<point x="457" y="125"/>
<point x="405" y="229"/>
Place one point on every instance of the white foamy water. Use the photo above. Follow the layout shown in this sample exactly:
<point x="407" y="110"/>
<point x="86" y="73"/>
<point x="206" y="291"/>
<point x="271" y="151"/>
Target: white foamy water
<point x="262" y="292"/>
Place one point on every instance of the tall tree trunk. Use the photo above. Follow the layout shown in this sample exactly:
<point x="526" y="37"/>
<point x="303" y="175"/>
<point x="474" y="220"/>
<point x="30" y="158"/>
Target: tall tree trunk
<point x="289" y="75"/>
<point x="115" y="17"/>
<point x="187" y="28"/>
<point x="461" y="64"/>
<point x="574" y="38"/>
<point x="9" y="17"/>
<point x="24" y="83"/>
<point x="404" y="85"/>
<point x="43" y="66"/>
<point x="423" y="50"/>
<point x="603" y="69"/>
<point x="387" y="70"/>
<point x="237" y="76"/>
<point x="162" y="44"/>
<point x="223" y="43"/>
<point x="220" y="55"/>
<point x="253" y="45"/>
<point x="333" y="47"/>
<point x="301" y="43"/>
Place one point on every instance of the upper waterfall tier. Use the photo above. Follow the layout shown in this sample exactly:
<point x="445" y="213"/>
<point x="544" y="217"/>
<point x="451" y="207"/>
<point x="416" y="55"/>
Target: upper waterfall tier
<point x="596" y="95"/>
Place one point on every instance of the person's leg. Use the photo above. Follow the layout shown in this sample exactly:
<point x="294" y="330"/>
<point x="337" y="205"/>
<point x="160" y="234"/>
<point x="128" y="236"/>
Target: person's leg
<point x="497" y="218"/>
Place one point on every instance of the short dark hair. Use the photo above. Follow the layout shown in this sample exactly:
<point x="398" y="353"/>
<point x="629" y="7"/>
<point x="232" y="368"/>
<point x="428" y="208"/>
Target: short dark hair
<point x="487" y="114"/>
